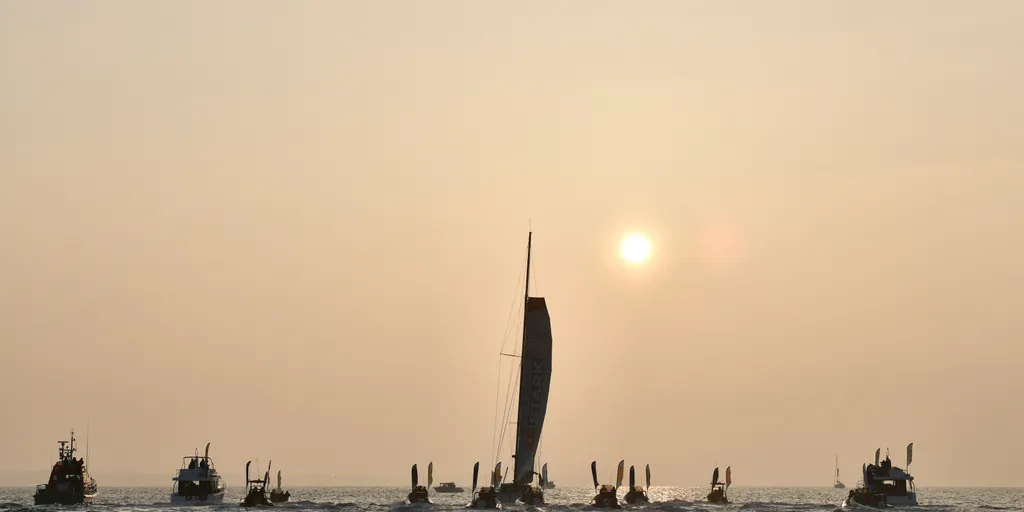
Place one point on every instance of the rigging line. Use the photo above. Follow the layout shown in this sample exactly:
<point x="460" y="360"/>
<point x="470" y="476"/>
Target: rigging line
<point x="513" y="380"/>
<point x="495" y="441"/>
<point x="507" y="417"/>
<point x="510" y="325"/>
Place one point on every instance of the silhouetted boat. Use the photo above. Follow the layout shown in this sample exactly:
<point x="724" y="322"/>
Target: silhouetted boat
<point x="884" y="484"/>
<point x="637" y="494"/>
<point x="197" y="482"/>
<point x="485" y="497"/>
<point x="277" y="495"/>
<point x="838" y="483"/>
<point x="256" y="490"/>
<point x="70" y="482"/>
<point x="607" y="495"/>
<point x="448" y="487"/>
<point x="420" y="493"/>
<point x="534" y="384"/>
<point x="719" y="491"/>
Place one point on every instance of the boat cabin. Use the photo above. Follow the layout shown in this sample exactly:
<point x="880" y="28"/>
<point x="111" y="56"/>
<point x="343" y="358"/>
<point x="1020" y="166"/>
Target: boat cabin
<point x="197" y="479"/>
<point x="717" y="494"/>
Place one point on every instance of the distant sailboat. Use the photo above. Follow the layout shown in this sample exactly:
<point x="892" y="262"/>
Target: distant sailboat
<point x="534" y="384"/>
<point x="838" y="483"/>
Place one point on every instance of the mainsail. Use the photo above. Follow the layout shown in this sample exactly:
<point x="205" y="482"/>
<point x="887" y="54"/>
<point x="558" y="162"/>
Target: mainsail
<point x="534" y="380"/>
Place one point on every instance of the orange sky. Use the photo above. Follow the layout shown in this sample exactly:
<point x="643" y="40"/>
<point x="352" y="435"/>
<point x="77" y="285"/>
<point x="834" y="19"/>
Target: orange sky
<point x="294" y="229"/>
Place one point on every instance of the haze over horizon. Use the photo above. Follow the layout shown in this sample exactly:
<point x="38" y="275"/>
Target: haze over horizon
<point x="294" y="230"/>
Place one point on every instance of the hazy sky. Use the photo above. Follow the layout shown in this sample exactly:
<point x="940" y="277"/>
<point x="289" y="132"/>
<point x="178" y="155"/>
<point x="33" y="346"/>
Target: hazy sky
<point x="294" y="229"/>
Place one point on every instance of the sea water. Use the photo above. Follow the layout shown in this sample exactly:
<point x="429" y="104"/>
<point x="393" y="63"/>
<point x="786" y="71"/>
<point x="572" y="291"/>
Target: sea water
<point x="665" y="499"/>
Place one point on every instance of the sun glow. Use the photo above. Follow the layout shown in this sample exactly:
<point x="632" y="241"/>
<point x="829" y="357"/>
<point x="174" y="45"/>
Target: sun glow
<point x="636" y="248"/>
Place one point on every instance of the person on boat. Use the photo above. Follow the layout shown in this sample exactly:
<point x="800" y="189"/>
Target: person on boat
<point x="192" y="464"/>
<point x="607" y="497"/>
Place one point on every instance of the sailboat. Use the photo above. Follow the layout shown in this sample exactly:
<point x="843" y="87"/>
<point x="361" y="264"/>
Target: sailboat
<point x="838" y="483"/>
<point x="277" y="495"/>
<point x="534" y="384"/>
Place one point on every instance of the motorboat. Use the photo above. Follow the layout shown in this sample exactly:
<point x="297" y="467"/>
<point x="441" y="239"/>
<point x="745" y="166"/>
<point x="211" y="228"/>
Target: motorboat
<point x="256" y="490"/>
<point x="70" y="482"/>
<point x="720" y="491"/>
<point x="485" y="497"/>
<point x="448" y="487"/>
<point x="277" y="495"/>
<point x="607" y="495"/>
<point x="884" y="484"/>
<point x="420" y="493"/>
<point x="637" y="494"/>
<point x="197" y="482"/>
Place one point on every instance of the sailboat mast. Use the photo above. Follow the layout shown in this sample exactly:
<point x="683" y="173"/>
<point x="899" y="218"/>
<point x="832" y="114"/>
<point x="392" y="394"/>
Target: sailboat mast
<point x="522" y="347"/>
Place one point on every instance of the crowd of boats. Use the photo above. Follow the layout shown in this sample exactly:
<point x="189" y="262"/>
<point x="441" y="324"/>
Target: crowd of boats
<point x="197" y="482"/>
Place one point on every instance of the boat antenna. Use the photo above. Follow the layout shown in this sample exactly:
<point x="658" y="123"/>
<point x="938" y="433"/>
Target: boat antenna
<point x="88" y="420"/>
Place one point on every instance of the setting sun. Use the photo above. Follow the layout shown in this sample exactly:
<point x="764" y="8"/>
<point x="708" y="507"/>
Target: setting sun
<point x="636" y="248"/>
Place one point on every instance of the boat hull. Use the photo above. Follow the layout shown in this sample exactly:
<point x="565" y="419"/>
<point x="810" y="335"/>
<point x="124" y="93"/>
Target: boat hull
<point x="634" y="498"/>
<point x="879" y="500"/>
<point x="209" y="499"/>
<point x="63" y="498"/>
